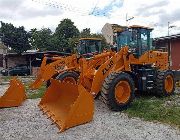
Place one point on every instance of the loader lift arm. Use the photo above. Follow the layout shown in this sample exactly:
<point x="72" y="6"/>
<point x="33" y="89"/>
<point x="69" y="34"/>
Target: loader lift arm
<point x="59" y="64"/>
<point x="87" y="48"/>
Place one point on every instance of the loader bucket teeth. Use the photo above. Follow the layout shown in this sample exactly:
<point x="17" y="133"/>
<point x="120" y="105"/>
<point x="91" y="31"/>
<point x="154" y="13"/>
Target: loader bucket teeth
<point x="67" y="104"/>
<point x="14" y="96"/>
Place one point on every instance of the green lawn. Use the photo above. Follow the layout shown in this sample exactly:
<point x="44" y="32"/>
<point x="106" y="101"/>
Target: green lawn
<point x="38" y="93"/>
<point x="165" y="110"/>
<point x="6" y="78"/>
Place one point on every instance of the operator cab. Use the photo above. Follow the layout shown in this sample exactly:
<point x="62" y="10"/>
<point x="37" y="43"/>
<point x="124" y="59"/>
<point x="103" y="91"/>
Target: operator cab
<point x="138" y="38"/>
<point x="89" y="46"/>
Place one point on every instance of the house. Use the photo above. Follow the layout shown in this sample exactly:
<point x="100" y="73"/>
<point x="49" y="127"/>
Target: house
<point x="172" y="45"/>
<point x="109" y="31"/>
<point x="31" y="59"/>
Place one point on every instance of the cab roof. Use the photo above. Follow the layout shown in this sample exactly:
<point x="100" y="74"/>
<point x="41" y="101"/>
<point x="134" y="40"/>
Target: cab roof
<point x="139" y="26"/>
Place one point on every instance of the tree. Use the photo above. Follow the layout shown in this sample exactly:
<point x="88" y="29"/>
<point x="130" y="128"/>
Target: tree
<point x="85" y="33"/>
<point x="73" y="42"/>
<point x="16" y="39"/>
<point x="66" y="29"/>
<point x="63" y="33"/>
<point x="41" y="39"/>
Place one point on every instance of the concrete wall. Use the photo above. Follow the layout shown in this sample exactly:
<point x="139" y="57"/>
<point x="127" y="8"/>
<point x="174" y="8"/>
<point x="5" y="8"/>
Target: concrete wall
<point x="107" y="32"/>
<point x="3" y="51"/>
<point x="16" y="60"/>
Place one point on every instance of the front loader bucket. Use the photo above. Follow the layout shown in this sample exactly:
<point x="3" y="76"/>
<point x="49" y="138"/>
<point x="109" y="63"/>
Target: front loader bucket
<point x="67" y="104"/>
<point x="37" y="83"/>
<point x="14" y="95"/>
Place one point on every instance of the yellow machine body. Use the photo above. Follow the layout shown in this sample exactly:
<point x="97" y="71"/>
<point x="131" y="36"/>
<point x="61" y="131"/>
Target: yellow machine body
<point x="14" y="96"/>
<point x="67" y="104"/>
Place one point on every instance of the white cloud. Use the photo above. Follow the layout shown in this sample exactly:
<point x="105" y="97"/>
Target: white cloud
<point x="38" y="14"/>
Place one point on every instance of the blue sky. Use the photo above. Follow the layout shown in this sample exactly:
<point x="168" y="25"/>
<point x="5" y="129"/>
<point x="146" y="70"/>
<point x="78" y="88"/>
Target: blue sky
<point x="107" y="9"/>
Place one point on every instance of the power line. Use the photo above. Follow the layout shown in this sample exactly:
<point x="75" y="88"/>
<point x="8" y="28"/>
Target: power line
<point x="69" y="8"/>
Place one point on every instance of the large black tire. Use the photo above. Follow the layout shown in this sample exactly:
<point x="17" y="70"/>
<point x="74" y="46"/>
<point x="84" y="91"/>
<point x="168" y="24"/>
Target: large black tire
<point x="49" y="82"/>
<point x="74" y="76"/>
<point x="108" y="90"/>
<point x="160" y="88"/>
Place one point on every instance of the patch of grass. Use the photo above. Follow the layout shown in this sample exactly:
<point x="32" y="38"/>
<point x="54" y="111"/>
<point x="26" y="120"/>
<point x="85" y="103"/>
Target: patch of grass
<point x="165" y="110"/>
<point x="38" y="93"/>
<point x="6" y="78"/>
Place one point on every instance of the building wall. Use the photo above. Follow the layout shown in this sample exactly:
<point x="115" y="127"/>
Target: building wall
<point x="1" y="60"/>
<point x="15" y="60"/>
<point x="107" y="32"/>
<point x="175" y="54"/>
<point x="3" y="51"/>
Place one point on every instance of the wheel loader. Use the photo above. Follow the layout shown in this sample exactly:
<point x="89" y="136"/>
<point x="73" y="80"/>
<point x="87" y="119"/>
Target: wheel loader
<point x="67" y="68"/>
<point x="135" y="67"/>
<point x="62" y="68"/>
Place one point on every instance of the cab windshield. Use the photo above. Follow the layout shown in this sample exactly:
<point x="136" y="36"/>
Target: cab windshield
<point x="89" y="46"/>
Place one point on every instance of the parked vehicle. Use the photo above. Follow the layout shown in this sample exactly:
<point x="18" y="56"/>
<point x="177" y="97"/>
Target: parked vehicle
<point x="20" y="70"/>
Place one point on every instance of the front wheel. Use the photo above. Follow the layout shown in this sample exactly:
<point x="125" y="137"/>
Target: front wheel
<point x="118" y="91"/>
<point x="68" y="76"/>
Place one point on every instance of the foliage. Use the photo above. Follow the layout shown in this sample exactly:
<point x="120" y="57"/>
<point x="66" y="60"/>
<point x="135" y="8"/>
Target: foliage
<point x="165" y="110"/>
<point x="63" y="33"/>
<point x="41" y="39"/>
<point x="15" y="38"/>
<point x="66" y="29"/>
<point x="65" y="37"/>
<point x="38" y="94"/>
<point x="85" y="33"/>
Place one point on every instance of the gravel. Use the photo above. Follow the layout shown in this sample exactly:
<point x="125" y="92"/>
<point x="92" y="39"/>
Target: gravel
<point x="3" y="89"/>
<point x="27" y="122"/>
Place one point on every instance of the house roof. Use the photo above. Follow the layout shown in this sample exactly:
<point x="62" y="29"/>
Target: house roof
<point x="165" y="38"/>
<point x="38" y="53"/>
<point x="139" y="26"/>
<point x="117" y="28"/>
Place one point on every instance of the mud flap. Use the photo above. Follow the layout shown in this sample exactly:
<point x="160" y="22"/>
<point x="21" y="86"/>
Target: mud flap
<point x="14" y="96"/>
<point x="67" y="104"/>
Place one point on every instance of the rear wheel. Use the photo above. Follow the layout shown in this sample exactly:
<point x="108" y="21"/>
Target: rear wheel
<point x="164" y="84"/>
<point x="68" y="76"/>
<point x="118" y="91"/>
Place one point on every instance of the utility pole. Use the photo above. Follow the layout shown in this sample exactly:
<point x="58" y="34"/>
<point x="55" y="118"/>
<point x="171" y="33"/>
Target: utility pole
<point x="128" y="19"/>
<point x="172" y="26"/>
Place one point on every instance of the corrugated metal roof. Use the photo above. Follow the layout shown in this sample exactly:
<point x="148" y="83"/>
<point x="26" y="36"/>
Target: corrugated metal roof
<point x="171" y="37"/>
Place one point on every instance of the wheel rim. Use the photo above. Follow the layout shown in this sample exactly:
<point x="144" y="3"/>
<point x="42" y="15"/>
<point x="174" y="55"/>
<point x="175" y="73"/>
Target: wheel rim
<point x="169" y="83"/>
<point x="122" y="92"/>
<point x="69" y="79"/>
